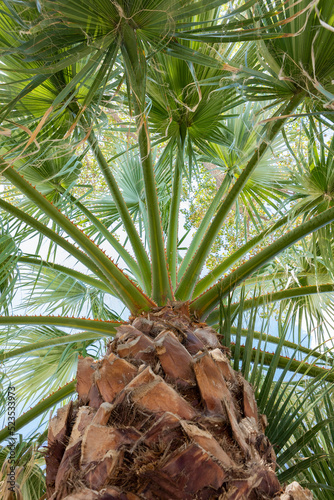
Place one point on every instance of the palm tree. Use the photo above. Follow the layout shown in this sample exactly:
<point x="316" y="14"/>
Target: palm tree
<point x="163" y="414"/>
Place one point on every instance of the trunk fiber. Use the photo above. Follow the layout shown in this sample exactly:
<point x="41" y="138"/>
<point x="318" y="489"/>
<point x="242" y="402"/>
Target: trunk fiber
<point x="162" y="416"/>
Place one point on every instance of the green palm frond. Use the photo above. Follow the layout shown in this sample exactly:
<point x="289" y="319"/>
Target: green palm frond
<point x="9" y="255"/>
<point x="295" y="59"/>
<point x="29" y="474"/>
<point x="46" y="369"/>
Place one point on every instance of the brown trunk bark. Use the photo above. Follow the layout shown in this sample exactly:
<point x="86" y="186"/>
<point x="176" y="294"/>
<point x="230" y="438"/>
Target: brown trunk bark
<point x="162" y="416"/>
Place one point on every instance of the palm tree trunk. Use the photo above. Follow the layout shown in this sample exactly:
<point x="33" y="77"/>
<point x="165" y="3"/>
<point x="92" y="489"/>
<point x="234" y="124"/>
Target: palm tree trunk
<point x="162" y="416"/>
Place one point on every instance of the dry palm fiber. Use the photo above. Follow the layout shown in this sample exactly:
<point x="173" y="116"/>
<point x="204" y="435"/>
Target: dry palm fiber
<point x="162" y="416"/>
